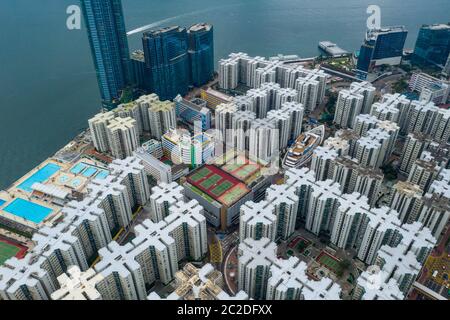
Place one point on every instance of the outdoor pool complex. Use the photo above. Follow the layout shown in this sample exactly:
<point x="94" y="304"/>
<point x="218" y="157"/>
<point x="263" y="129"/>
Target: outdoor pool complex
<point x="40" y="176"/>
<point x="27" y="210"/>
<point x="88" y="171"/>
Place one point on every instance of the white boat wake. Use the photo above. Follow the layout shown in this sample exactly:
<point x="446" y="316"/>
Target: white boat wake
<point x="193" y="13"/>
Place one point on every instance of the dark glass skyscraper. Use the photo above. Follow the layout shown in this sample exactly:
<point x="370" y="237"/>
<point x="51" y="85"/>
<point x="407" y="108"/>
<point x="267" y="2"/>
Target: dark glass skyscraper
<point x="201" y="53"/>
<point x="105" y="24"/>
<point x="382" y="47"/>
<point x="433" y="45"/>
<point x="167" y="61"/>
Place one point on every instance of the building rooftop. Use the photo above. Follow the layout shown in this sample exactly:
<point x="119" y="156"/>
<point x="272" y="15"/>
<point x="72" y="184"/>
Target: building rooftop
<point x="77" y="285"/>
<point x="218" y="184"/>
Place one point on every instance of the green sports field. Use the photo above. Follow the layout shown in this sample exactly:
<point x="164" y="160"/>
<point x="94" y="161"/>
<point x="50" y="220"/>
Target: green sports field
<point x="221" y="188"/>
<point x="210" y="181"/>
<point x="200" y="174"/>
<point x="7" y="251"/>
<point x="330" y="263"/>
<point x="233" y="195"/>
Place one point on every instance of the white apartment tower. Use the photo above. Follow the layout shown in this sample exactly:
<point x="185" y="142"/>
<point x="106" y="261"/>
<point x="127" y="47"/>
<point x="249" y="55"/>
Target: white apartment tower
<point x="348" y="106"/>
<point x="162" y="117"/>
<point x="257" y="221"/>
<point x="123" y="137"/>
<point x="98" y="128"/>
<point x="162" y="198"/>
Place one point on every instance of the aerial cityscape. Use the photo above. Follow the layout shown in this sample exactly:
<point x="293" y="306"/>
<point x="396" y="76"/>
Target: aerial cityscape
<point x="243" y="177"/>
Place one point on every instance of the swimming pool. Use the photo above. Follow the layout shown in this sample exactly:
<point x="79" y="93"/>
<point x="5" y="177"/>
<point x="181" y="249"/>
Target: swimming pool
<point x="2" y="202"/>
<point x="27" y="210"/>
<point x="78" y="168"/>
<point x="41" y="175"/>
<point x="89" y="171"/>
<point x="102" y="175"/>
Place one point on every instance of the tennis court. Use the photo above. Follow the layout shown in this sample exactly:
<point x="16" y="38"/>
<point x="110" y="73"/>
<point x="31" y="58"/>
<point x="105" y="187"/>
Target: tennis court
<point x="233" y="195"/>
<point x="209" y="182"/>
<point x="7" y="251"/>
<point x="221" y="188"/>
<point x="329" y="262"/>
<point x="246" y="171"/>
<point x="231" y="167"/>
<point x="200" y="174"/>
<point x="218" y="184"/>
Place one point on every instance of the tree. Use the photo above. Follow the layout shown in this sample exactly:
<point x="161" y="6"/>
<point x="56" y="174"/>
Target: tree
<point x="400" y="86"/>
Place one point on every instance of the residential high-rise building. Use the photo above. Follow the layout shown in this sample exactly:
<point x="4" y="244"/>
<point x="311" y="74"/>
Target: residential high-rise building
<point x="123" y="137"/>
<point x="368" y="151"/>
<point x="263" y="276"/>
<point x="423" y="173"/>
<point x="285" y="201"/>
<point x="264" y="140"/>
<point x="400" y="264"/>
<point x="381" y="46"/>
<point x="132" y="174"/>
<point x="406" y="199"/>
<point x="367" y="90"/>
<point x="295" y="111"/>
<point x="376" y="285"/>
<point x="257" y="72"/>
<point x="363" y="123"/>
<point x="282" y="121"/>
<point x="105" y="24"/>
<point x="255" y="260"/>
<point x="77" y="285"/>
<point x="395" y="108"/>
<point x="167" y="61"/>
<point x="289" y="281"/>
<point x="414" y="145"/>
<point x="322" y="162"/>
<point x="163" y="197"/>
<point x="112" y="196"/>
<point x="133" y="110"/>
<point x="435" y="213"/>
<point x="162" y="117"/>
<point x="201" y="53"/>
<point x="145" y="102"/>
<point x="348" y="106"/>
<point x="224" y="122"/>
<point x="353" y="177"/>
<point x="205" y="283"/>
<point x="433" y="45"/>
<point x="257" y="221"/>
<point x="99" y="133"/>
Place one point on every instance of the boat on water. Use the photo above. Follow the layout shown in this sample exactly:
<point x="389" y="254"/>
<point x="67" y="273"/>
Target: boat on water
<point x="300" y="153"/>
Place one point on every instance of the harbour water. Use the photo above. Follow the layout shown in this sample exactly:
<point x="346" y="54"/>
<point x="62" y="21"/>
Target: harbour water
<point x="48" y="88"/>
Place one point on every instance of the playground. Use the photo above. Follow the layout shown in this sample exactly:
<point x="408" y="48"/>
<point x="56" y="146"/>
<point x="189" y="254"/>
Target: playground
<point x="300" y="244"/>
<point x="9" y="249"/>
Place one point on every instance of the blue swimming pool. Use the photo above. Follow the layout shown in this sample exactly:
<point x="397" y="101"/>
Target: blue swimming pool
<point x="2" y="202"/>
<point x="78" y="168"/>
<point x="102" y="175"/>
<point x="89" y="171"/>
<point x="27" y="210"/>
<point x="41" y="175"/>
